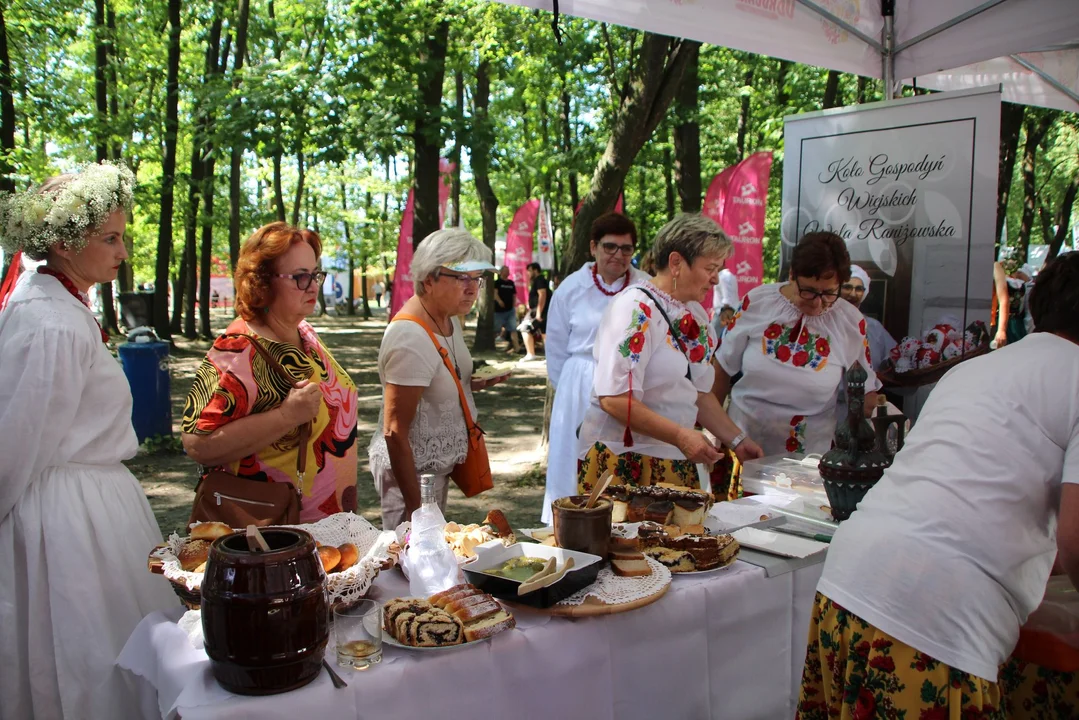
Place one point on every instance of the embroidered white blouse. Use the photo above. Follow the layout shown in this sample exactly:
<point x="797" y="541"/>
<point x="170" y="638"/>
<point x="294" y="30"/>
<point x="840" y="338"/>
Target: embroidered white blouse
<point x="792" y="365"/>
<point x="636" y="351"/>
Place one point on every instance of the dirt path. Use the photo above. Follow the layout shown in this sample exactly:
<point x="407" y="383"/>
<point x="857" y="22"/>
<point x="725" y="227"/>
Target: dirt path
<point x="511" y="415"/>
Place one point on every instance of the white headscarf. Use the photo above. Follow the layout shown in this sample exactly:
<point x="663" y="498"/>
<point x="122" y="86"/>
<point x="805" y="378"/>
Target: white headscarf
<point x="858" y="272"/>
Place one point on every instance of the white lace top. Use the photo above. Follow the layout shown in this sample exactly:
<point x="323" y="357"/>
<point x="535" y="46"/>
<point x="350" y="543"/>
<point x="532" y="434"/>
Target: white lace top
<point x="437" y="436"/>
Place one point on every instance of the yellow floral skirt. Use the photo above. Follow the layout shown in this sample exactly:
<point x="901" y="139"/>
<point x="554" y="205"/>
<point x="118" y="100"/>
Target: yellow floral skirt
<point x="1044" y="690"/>
<point x="853" y="671"/>
<point x="632" y="468"/>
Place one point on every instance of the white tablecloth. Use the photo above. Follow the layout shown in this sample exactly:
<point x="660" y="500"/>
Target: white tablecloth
<point x="723" y="645"/>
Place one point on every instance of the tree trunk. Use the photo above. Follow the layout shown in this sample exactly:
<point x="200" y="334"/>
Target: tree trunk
<point x="1063" y="220"/>
<point x="458" y="143"/>
<point x="300" y="169"/>
<point x="125" y="278"/>
<point x="567" y="150"/>
<point x="206" y="250"/>
<point x="832" y="97"/>
<point x="1011" y="123"/>
<point x="349" y="249"/>
<point x="101" y="138"/>
<point x="1037" y="126"/>
<point x="427" y="135"/>
<point x="168" y="176"/>
<point x="743" y="115"/>
<point x="368" y="202"/>
<point x="652" y="84"/>
<point x="179" y="282"/>
<point x="7" y="111"/>
<point x="860" y="97"/>
<point x="481" y="159"/>
<point x="237" y="151"/>
<point x="278" y="192"/>
<point x="687" y="135"/>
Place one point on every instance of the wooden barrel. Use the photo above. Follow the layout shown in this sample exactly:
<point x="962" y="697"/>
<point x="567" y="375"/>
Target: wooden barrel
<point x="265" y="614"/>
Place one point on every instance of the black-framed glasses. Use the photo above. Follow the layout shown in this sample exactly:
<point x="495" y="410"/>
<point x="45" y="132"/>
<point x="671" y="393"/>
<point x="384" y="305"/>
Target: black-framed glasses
<point x="611" y="248"/>
<point x="826" y="296"/>
<point x="852" y="288"/>
<point x="462" y="278"/>
<point x="304" y="280"/>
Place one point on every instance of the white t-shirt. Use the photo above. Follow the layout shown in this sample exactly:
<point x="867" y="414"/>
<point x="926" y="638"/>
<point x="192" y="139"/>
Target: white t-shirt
<point x="634" y="341"/>
<point x="438" y="435"/>
<point x="951" y="550"/>
<point x="725" y="291"/>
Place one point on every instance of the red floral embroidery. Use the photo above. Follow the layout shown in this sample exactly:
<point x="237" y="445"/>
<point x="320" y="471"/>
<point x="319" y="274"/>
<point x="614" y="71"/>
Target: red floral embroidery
<point x="823" y="348"/>
<point x="868" y="358"/>
<point x="797" y="419"/>
<point x="861" y="326"/>
<point x="697" y="353"/>
<point x="745" y="303"/>
<point x="803" y="337"/>
<point x="783" y="353"/>
<point x="800" y="358"/>
<point x="792" y="444"/>
<point x="636" y="342"/>
<point x="774" y="331"/>
<point x="689" y="327"/>
<point x="865" y="707"/>
<point x="646" y="310"/>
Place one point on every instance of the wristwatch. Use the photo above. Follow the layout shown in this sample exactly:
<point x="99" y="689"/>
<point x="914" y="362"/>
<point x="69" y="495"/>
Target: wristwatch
<point x="737" y="440"/>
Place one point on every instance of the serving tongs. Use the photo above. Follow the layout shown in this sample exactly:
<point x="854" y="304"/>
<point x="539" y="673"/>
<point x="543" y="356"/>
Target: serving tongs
<point x="547" y="576"/>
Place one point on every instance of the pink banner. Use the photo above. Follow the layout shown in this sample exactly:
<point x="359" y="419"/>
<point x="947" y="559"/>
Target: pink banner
<point x="519" y="246"/>
<point x="737" y="199"/>
<point x="403" y="288"/>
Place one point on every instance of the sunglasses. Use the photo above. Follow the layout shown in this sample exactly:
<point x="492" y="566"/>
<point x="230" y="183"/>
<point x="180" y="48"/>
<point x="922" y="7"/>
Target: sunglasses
<point x="826" y="296"/>
<point x="611" y="248"/>
<point x="304" y="280"/>
<point x="465" y="280"/>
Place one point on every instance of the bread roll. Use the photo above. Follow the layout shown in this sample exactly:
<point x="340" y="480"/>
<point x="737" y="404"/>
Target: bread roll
<point x="488" y="626"/>
<point x="437" y="598"/>
<point x="330" y="557"/>
<point x="349" y="556"/>
<point x="193" y="554"/>
<point x="210" y="531"/>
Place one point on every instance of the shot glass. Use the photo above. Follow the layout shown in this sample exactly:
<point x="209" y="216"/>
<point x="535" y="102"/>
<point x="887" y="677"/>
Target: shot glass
<point x="357" y="630"/>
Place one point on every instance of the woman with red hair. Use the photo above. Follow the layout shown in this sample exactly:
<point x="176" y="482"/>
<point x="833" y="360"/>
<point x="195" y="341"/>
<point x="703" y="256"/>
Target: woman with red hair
<point x="241" y="417"/>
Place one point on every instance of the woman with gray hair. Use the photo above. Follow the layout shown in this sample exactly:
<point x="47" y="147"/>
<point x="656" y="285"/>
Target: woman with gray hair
<point x="422" y="424"/>
<point x="654" y="370"/>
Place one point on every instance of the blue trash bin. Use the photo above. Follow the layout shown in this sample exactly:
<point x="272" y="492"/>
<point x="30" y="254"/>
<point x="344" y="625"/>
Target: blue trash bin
<point x="147" y="368"/>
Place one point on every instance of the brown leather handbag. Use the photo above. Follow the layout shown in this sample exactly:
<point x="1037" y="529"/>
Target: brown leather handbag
<point x="473" y="475"/>
<point x="238" y="502"/>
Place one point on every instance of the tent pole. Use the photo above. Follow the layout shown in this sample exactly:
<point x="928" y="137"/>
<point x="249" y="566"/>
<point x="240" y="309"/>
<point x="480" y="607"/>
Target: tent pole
<point x="1047" y="77"/>
<point x="887" y="55"/>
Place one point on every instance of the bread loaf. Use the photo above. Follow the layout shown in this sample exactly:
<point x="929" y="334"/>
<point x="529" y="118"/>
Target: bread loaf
<point x="437" y="598"/>
<point x="476" y="611"/>
<point x="460" y="594"/>
<point x="629" y="563"/>
<point x="674" y="560"/>
<point x="330" y="557"/>
<point x="193" y="554"/>
<point x="488" y="626"/>
<point x="209" y="531"/>
<point x="349" y="556"/>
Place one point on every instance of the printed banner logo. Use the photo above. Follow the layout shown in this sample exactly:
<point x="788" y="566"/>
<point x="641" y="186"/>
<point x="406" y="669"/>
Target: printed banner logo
<point x="771" y="9"/>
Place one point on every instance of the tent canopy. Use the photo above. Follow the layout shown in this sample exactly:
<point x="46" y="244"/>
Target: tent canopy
<point x="1031" y="47"/>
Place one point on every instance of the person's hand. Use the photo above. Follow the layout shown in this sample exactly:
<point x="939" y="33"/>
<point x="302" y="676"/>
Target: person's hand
<point x="697" y="448"/>
<point x="302" y="403"/>
<point x="1002" y="338"/>
<point x="748" y="450"/>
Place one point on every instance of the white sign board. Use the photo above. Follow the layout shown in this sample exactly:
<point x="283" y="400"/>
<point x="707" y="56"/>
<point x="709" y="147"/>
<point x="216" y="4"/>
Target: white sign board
<point x="911" y="186"/>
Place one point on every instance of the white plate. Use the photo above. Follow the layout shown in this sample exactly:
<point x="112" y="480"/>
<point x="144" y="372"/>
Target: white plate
<point x="774" y="543"/>
<point x="389" y="640"/>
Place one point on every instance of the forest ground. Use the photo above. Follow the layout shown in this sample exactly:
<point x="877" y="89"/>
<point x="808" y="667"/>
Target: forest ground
<point x="511" y="415"/>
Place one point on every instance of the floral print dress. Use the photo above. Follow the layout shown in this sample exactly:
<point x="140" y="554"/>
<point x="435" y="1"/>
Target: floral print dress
<point x="664" y="367"/>
<point x="792" y="365"/>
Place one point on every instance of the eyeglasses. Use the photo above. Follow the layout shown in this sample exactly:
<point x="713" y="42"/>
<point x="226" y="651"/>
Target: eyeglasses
<point x="611" y="248"/>
<point x="304" y="280"/>
<point x="465" y="280"/>
<point x="852" y="288"/>
<point x="826" y="296"/>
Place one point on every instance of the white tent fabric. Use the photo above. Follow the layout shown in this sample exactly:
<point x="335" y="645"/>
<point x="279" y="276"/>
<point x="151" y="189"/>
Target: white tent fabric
<point x="977" y="42"/>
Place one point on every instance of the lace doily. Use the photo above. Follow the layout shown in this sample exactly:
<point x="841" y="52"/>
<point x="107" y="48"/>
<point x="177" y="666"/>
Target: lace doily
<point x="611" y="589"/>
<point x="345" y="587"/>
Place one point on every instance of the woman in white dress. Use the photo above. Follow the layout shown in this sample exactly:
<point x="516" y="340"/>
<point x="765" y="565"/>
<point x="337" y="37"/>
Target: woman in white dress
<point x="75" y="526"/>
<point x="792" y="342"/>
<point x="421" y="420"/>
<point x="572" y="322"/>
<point x="655" y="370"/>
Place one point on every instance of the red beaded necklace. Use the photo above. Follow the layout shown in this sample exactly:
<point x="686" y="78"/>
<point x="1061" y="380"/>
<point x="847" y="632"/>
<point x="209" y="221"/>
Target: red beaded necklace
<point x="605" y="291"/>
<point x="70" y="287"/>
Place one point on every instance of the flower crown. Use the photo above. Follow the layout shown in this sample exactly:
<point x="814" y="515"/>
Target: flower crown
<point x="35" y="220"/>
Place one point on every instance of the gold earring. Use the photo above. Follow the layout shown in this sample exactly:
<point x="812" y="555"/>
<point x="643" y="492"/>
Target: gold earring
<point x="675" y="287"/>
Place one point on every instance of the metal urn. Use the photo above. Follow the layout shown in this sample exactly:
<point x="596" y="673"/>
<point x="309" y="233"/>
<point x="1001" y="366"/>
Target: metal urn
<point x="855" y="463"/>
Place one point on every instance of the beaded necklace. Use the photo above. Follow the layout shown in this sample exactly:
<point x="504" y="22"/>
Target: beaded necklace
<point x="605" y="291"/>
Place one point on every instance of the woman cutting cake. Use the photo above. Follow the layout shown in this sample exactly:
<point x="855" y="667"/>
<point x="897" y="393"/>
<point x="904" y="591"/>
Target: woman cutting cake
<point x="654" y="370"/>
